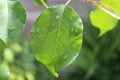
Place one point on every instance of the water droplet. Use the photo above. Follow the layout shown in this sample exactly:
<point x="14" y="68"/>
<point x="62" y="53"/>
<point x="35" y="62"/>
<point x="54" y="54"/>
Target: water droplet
<point x="43" y="29"/>
<point x="70" y="18"/>
<point x="72" y="30"/>
<point x="65" y="57"/>
<point x="60" y="54"/>
<point x="32" y="31"/>
<point x="39" y="36"/>
<point x="76" y="30"/>
<point x="74" y="24"/>
<point x="45" y="53"/>
<point x="57" y="17"/>
<point x="11" y="28"/>
<point x="53" y="6"/>
<point x="54" y="24"/>
<point x="64" y="30"/>
<point x="37" y="30"/>
<point x="53" y="56"/>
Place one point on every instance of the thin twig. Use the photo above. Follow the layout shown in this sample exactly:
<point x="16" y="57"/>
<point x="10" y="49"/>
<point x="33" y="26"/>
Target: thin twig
<point x="44" y="4"/>
<point x="90" y="1"/>
<point x="67" y="2"/>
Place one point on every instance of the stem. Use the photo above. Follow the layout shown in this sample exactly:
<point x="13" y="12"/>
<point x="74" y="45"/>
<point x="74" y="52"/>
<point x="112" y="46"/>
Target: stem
<point x="44" y="4"/>
<point x="67" y="2"/>
<point x="92" y="2"/>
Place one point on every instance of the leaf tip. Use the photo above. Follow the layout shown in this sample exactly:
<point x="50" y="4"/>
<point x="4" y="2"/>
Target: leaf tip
<point x="52" y="70"/>
<point x="56" y="75"/>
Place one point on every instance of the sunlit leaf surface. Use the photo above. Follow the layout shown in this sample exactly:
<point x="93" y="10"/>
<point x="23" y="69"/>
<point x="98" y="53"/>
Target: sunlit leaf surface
<point x="106" y="16"/>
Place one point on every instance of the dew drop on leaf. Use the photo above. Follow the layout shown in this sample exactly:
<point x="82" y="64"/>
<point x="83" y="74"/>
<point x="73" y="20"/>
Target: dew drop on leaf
<point x="53" y="56"/>
<point x="37" y="30"/>
<point x="57" y="17"/>
<point x="65" y="57"/>
<point x="11" y="28"/>
<point x="72" y="30"/>
<point x="58" y="49"/>
<point x="39" y="36"/>
<point x="54" y="24"/>
<point x="76" y="30"/>
<point x="43" y="29"/>
<point x="70" y="18"/>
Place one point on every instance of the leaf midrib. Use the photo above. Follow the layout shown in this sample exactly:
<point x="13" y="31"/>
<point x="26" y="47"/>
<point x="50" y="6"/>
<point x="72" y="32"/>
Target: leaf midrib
<point x="58" y="30"/>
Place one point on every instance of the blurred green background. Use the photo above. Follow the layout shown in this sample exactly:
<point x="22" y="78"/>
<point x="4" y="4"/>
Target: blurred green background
<point x="99" y="57"/>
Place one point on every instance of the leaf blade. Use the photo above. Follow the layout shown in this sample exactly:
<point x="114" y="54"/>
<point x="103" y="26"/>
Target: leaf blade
<point x="106" y="16"/>
<point x="2" y="46"/>
<point x="55" y="25"/>
<point x="107" y="8"/>
<point x="12" y="19"/>
<point x="103" y="21"/>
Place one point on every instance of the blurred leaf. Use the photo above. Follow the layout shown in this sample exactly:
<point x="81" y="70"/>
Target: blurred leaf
<point x="56" y="37"/>
<point x="103" y="21"/>
<point x="106" y="16"/>
<point x="16" y="47"/>
<point x="12" y="19"/>
<point x="8" y="55"/>
<point x="29" y="76"/>
<point x="4" y="72"/>
<point x="2" y="46"/>
<point x="39" y="3"/>
<point x="20" y="77"/>
<point x="23" y="60"/>
<point x="106" y="8"/>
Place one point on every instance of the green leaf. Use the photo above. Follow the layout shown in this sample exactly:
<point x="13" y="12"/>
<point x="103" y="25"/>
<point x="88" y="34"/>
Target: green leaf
<point x="56" y="37"/>
<point x="12" y="19"/>
<point x="2" y="46"/>
<point x="103" y="21"/>
<point x="39" y="3"/>
<point x="106" y="16"/>
<point x="4" y="72"/>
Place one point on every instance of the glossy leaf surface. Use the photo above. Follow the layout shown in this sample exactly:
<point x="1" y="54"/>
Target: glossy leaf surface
<point x="106" y="16"/>
<point x="56" y="37"/>
<point x="12" y="19"/>
<point x="39" y="3"/>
